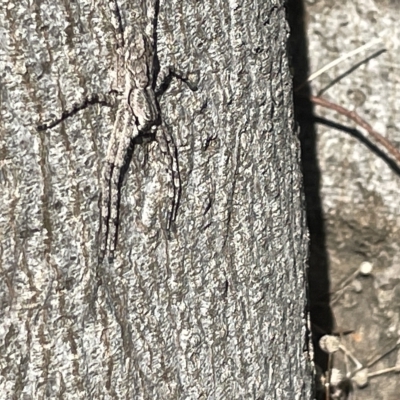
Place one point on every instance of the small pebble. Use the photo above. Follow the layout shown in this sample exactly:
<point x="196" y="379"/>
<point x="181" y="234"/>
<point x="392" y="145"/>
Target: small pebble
<point x="365" y="268"/>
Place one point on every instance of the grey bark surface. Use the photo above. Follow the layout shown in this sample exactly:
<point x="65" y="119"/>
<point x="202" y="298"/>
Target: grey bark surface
<point x="360" y="185"/>
<point x="212" y="308"/>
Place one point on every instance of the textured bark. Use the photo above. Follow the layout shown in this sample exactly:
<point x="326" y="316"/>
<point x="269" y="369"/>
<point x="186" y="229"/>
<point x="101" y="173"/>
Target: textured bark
<point x="214" y="308"/>
<point x="359" y="185"/>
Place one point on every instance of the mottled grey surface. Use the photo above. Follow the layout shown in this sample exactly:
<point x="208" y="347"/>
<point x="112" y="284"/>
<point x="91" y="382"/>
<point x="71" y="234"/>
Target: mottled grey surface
<point x="360" y="191"/>
<point x="213" y="309"/>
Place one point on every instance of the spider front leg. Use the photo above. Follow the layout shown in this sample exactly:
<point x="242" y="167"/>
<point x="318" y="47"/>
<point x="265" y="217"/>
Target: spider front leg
<point x="118" y="148"/>
<point x="169" y="149"/>
<point x="102" y="99"/>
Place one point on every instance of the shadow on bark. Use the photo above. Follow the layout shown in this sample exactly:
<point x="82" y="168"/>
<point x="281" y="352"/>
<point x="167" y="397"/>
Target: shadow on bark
<point x="318" y="277"/>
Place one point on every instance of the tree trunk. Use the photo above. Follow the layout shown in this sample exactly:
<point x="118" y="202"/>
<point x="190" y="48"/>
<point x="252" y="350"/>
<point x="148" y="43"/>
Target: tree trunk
<point x="206" y="296"/>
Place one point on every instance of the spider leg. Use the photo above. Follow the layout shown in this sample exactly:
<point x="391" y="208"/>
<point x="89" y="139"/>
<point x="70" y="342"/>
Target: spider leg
<point x="168" y="73"/>
<point x="102" y="99"/>
<point x="108" y="172"/>
<point x="170" y="150"/>
<point x="118" y="162"/>
<point x="116" y="21"/>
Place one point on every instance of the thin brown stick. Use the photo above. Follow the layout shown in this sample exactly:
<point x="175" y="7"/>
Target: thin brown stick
<point x="359" y="121"/>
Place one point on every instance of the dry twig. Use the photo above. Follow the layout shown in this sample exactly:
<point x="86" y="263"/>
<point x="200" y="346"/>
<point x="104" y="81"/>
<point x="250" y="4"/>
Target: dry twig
<point x="359" y="121"/>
